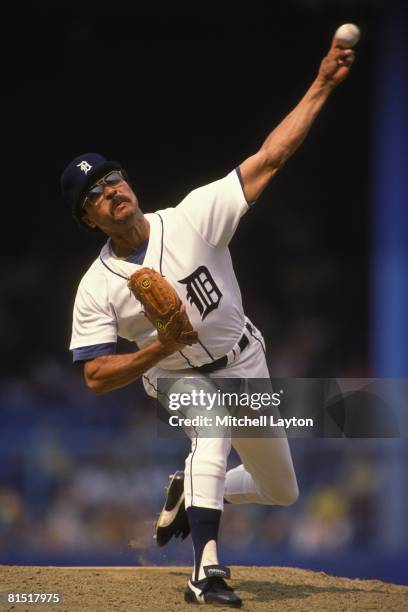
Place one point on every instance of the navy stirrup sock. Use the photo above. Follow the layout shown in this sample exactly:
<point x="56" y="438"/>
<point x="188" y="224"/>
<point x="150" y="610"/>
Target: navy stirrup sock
<point x="204" y="525"/>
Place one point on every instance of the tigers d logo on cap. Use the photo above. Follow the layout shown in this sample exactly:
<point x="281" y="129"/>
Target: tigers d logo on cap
<point x="85" y="167"/>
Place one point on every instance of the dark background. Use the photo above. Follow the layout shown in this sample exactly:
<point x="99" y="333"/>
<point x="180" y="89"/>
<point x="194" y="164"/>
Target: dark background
<point x="181" y="96"/>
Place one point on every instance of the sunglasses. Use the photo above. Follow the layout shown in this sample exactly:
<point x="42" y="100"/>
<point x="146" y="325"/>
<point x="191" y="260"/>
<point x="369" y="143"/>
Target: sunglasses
<point x="96" y="191"/>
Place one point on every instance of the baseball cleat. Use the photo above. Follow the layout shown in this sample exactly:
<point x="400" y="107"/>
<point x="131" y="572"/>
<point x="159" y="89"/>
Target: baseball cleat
<point x="173" y="519"/>
<point x="212" y="589"/>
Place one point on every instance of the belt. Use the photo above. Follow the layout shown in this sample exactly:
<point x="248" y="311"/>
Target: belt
<point x="230" y="357"/>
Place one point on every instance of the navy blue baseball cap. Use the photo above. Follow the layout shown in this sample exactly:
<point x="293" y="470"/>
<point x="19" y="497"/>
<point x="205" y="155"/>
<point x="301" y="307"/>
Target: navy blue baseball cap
<point x="80" y="175"/>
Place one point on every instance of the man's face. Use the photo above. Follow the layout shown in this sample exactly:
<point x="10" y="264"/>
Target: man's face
<point x="110" y="204"/>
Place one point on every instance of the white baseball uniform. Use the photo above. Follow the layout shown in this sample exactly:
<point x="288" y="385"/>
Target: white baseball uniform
<point x="188" y="244"/>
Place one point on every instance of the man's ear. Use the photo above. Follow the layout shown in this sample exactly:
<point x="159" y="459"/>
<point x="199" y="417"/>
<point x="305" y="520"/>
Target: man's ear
<point x="85" y="219"/>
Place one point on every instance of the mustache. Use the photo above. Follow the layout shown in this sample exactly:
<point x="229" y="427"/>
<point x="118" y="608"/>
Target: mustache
<point x="117" y="199"/>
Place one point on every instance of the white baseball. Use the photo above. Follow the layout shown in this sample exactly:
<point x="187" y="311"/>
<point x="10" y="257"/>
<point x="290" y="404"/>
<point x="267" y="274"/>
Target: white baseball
<point x="347" y="35"/>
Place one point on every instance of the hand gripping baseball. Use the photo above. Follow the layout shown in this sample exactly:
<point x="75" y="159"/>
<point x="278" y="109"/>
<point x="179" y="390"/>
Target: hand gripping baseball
<point x="337" y="63"/>
<point x="163" y="307"/>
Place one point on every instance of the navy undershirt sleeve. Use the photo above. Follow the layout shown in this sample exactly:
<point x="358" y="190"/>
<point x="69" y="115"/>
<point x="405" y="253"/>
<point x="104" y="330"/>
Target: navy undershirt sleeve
<point x="86" y="353"/>
<point x="238" y="171"/>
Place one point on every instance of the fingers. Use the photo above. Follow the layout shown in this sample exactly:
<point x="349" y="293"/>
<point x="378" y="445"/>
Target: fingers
<point x="338" y="45"/>
<point x="336" y="49"/>
<point x="345" y="57"/>
<point x="342" y="57"/>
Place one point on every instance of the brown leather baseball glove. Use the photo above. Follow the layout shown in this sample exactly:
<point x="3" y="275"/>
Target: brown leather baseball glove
<point x="162" y="306"/>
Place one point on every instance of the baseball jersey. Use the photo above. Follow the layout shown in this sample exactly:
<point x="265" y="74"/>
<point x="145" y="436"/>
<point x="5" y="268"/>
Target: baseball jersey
<point x="188" y="244"/>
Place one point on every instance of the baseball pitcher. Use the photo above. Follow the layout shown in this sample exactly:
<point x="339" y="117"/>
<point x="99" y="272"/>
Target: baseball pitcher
<point x="165" y="281"/>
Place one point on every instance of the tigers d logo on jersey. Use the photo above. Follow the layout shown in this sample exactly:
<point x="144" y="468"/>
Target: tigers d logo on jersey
<point x="202" y="291"/>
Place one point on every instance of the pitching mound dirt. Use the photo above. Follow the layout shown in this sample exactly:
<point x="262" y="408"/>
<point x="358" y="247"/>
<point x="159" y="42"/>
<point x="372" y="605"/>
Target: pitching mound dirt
<point x="126" y="589"/>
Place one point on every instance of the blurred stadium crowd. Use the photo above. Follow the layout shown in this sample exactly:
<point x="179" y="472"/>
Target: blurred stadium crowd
<point x="85" y="474"/>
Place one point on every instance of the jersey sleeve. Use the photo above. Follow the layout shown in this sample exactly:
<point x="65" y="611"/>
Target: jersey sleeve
<point x="94" y="327"/>
<point x="215" y="209"/>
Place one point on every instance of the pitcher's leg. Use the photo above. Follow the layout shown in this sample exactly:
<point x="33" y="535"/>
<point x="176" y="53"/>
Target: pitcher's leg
<point x="266" y="475"/>
<point x="204" y="474"/>
<point x="204" y="485"/>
